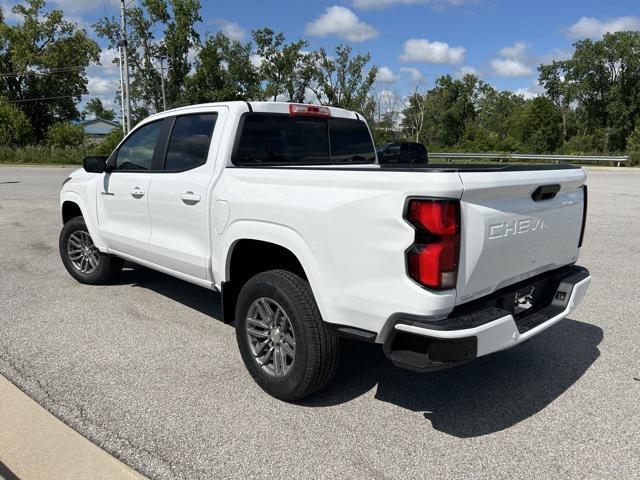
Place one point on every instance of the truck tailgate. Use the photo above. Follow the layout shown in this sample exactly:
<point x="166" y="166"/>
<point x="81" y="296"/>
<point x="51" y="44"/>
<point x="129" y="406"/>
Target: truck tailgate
<point x="508" y="236"/>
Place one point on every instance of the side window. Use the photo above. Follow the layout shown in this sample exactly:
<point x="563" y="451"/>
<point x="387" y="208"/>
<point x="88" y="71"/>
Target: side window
<point x="190" y="141"/>
<point x="394" y="149"/>
<point x="136" y="152"/>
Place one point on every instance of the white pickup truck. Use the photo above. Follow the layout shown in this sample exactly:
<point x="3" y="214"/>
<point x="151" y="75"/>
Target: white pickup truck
<point x="284" y="209"/>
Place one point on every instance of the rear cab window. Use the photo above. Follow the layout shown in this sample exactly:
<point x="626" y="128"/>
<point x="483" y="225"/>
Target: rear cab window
<point x="281" y="139"/>
<point x="190" y="141"/>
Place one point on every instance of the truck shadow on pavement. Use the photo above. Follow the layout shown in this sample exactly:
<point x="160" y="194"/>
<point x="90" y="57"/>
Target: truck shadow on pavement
<point x="484" y="396"/>
<point x="195" y="297"/>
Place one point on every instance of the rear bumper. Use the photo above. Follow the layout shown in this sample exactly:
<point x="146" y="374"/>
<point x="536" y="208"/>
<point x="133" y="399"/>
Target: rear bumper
<point x="420" y="344"/>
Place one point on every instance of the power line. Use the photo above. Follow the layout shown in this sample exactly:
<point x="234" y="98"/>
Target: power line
<point x="35" y="72"/>
<point x="41" y="99"/>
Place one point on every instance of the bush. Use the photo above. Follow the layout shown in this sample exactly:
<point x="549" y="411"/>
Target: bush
<point x="42" y="154"/>
<point x="15" y="127"/>
<point x="109" y="143"/>
<point x="633" y="146"/>
<point x="65" y="134"/>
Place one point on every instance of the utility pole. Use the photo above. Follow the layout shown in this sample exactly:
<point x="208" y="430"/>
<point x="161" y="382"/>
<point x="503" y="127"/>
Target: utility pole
<point x="122" y="111"/>
<point x="164" y="95"/>
<point x="123" y="24"/>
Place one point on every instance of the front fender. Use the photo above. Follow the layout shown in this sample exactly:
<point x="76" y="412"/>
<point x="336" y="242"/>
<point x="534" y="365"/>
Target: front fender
<point x="89" y="215"/>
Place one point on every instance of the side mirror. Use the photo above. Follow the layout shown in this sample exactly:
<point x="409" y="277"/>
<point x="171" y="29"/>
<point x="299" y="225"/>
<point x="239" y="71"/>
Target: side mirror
<point x="94" y="164"/>
<point x="110" y="165"/>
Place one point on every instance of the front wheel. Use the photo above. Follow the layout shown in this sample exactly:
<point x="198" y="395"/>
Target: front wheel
<point x="281" y="336"/>
<point x="82" y="259"/>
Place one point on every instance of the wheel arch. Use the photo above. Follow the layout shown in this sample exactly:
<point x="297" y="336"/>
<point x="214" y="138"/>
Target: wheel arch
<point x="71" y="204"/>
<point x="248" y="253"/>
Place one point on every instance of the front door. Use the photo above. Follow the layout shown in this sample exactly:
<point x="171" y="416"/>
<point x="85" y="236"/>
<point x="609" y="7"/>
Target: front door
<point x="123" y="210"/>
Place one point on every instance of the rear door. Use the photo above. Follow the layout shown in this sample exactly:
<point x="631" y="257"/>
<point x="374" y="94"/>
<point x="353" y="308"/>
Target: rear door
<point x="179" y="203"/>
<point x="511" y="230"/>
<point x="123" y="211"/>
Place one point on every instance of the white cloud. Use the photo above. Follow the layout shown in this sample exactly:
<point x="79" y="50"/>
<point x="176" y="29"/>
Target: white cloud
<point x="231" y="29"/>
<point x="515" y="61"/>
<point x="517" y="51"/>
<point x="589" y="27"/>
<point x="256" y="60"/>
<point x="555" y="55"/>
<point x="107" y="66"/>
<point x="8" y="13"/>
<point x="507" y="67"/>
<point x="422" y="50"/>
<point x="527" y="93"/>
<point x="382" y="4"/>
<point x="413" y="73"/>
<point x="101" y="86"/>
<point x="341" y="22"/>
<point x="466" y="70"/>
<point x="385" y="75"/>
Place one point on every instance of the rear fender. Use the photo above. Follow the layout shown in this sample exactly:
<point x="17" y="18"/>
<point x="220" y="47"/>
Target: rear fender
<point x="279" y="235"/>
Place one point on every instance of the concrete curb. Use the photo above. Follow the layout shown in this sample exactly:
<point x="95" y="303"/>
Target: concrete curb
<point x="36" y="445"/>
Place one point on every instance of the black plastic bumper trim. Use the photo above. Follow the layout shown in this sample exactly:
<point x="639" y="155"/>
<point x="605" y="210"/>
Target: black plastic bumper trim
<point x="424" y="353"/>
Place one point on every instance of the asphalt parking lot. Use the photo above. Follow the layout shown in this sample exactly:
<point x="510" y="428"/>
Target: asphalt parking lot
<point x="144" y="369"/>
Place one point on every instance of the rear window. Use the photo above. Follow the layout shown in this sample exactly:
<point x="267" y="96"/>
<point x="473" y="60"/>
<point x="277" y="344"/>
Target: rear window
<point x="190" y="140"/>
<point x="276" y="139"/>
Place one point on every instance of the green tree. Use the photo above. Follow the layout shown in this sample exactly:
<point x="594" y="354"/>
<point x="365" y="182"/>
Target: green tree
<point x="223" y="72"/>
<point x="344" y="81"/>
<point x="15" y="129"/>
<point x="44" y="59"/>
<point x="65" y="134"/>
<point x="538" y="126"/>
<point x="96" y="108"/>
<point x="175" y="19"/>
<point x="553" y="78"/>
<point x="384" y="130"/>
<point x="603" y="79"/>
<point x="285" y="68"/>
<point x="633" y="145"/>
<point x="445" y="111"/>
<point x="491" y="128"/>
<point x="109" y="143"/>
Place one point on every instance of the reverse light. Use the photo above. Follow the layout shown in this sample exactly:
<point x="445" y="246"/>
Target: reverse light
<point x="301" y="110"/>
<point x="432" y="261"/>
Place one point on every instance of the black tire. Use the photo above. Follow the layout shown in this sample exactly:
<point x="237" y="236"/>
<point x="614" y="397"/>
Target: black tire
<point x="108" y="266"/>
<point x="316" y="347"/>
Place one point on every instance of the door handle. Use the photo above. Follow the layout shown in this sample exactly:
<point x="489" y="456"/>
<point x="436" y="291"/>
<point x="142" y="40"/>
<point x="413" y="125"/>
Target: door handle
<point x="136" y="192"/>
<point x="190" y="198"/>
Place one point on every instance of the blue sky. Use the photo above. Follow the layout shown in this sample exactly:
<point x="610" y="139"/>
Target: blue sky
<point x="502" y="41"/>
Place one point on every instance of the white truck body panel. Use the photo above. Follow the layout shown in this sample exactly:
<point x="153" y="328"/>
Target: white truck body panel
<point x="344" y="224"/>
<point x="508" y="236"/>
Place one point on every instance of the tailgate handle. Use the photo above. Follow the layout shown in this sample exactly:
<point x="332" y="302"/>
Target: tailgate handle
<point x="545" y="192"/>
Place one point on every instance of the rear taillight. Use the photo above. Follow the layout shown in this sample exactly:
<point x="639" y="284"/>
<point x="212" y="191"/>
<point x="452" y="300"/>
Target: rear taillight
<point x="301" y="110"/>
<point x="584" y="215"/>
<point x="432" y="260"/>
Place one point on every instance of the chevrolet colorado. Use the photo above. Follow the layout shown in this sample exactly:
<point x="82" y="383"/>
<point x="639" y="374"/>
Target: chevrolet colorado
<point x="285" y="210"/>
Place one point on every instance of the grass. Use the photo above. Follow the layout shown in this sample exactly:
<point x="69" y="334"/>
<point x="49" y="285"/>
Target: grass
<point x="43" y="155"/>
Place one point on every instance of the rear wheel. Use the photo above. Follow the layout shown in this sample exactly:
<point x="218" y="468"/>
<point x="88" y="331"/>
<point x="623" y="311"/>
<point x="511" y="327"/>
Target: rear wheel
<point x="281" y="336"/>
<point x="82" y="259"/>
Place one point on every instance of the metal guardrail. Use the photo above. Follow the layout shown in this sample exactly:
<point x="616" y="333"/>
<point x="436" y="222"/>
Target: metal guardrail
<point x="525" y="156"/>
